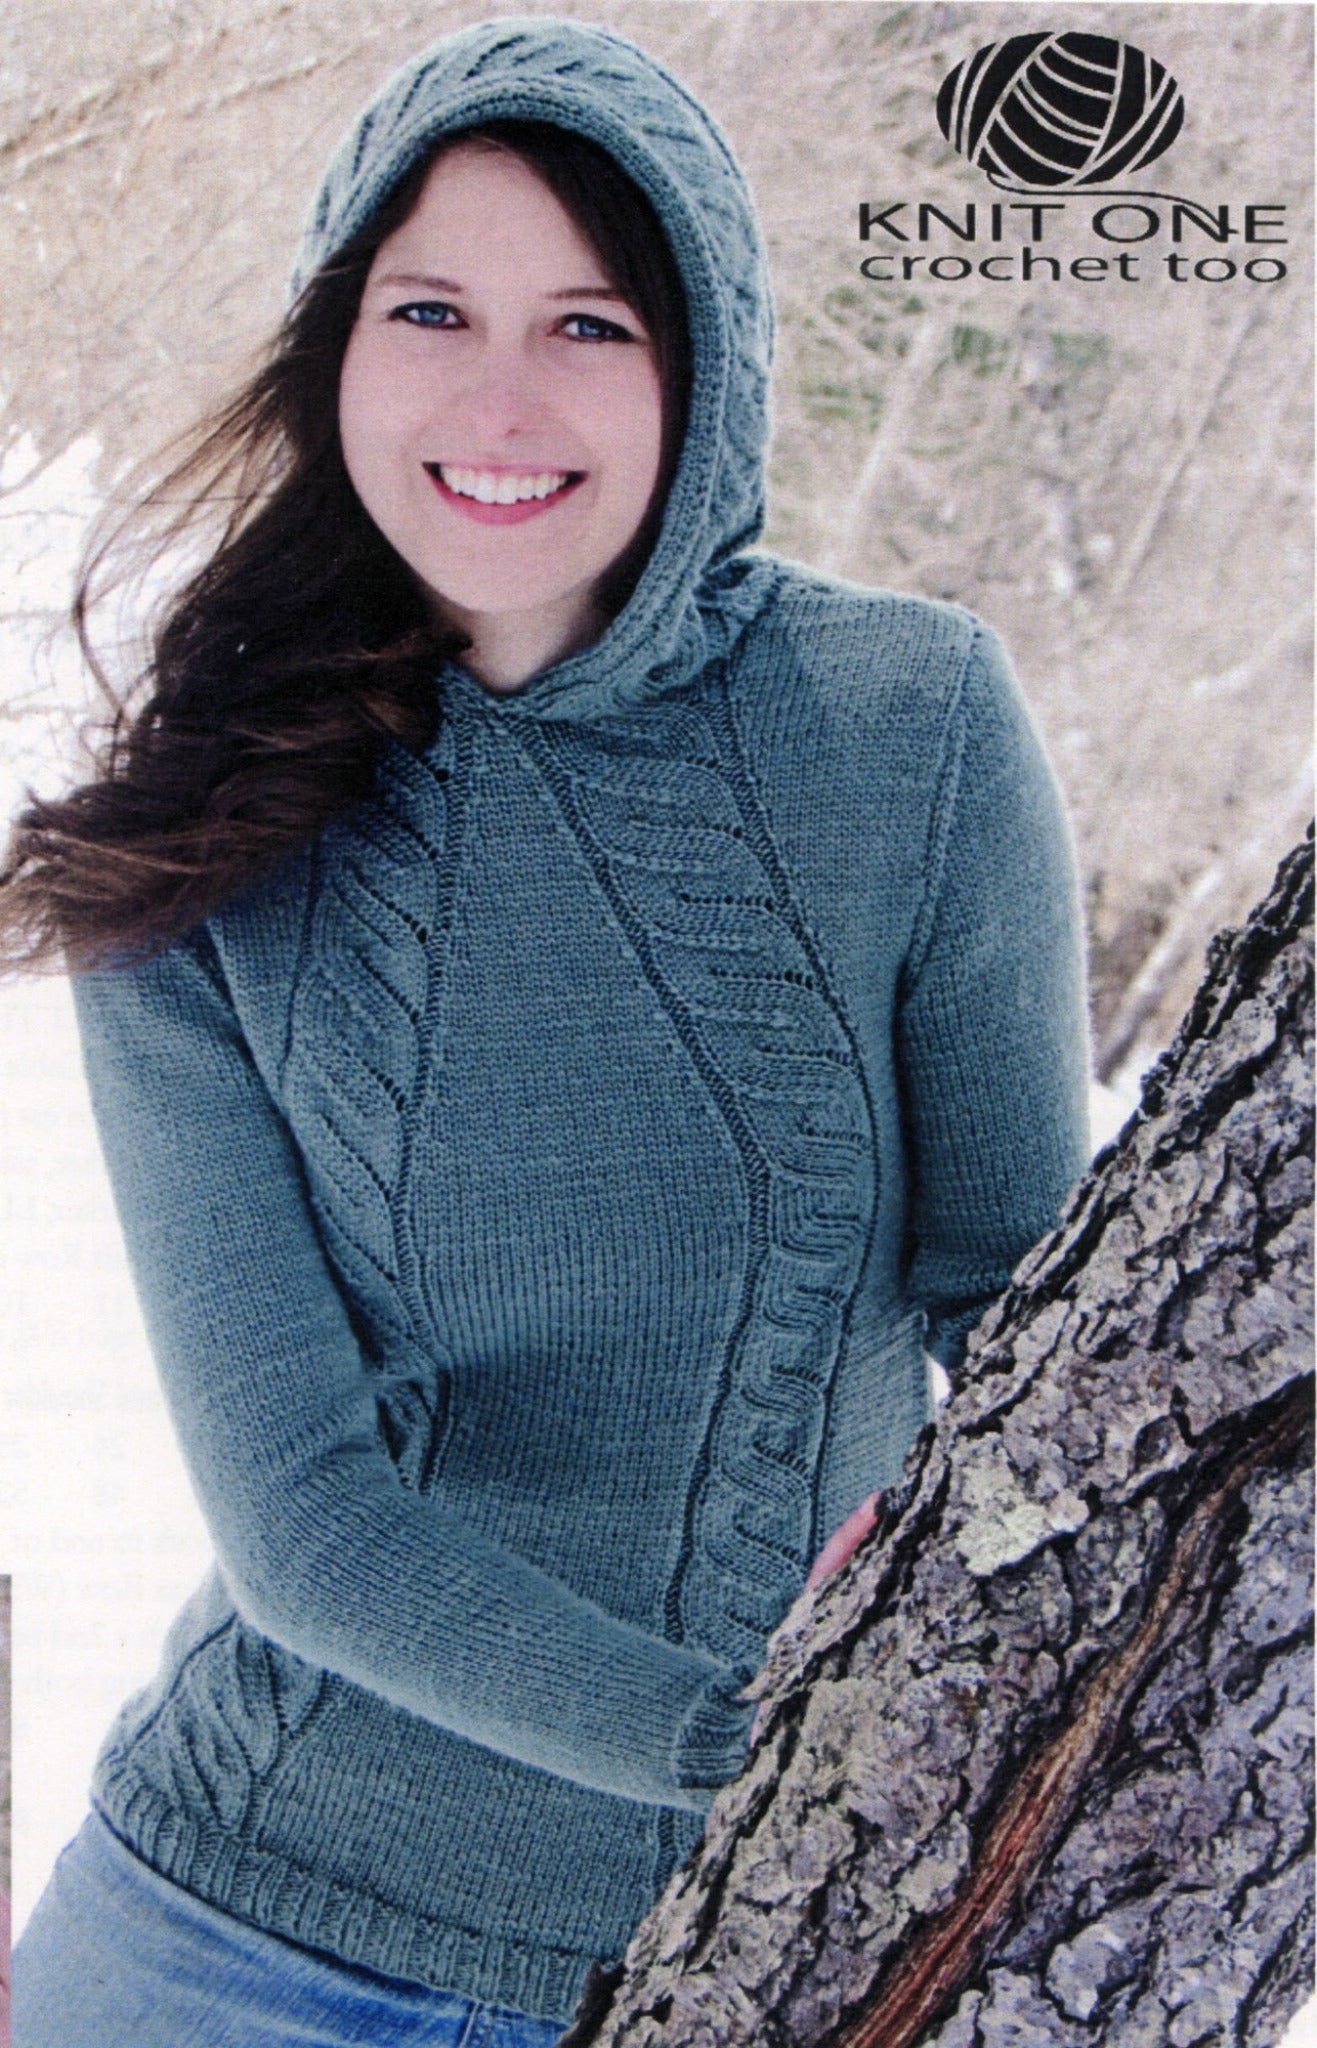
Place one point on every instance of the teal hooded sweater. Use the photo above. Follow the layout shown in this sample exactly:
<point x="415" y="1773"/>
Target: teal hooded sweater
<point x="542" y="1190"/>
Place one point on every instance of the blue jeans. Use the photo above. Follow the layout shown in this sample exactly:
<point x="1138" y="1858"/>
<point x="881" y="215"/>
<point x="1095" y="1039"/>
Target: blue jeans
<point x="117" y="1957"/>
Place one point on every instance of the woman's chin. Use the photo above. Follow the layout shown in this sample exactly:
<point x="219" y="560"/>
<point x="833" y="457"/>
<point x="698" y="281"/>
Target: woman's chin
<point x="497" y="607"/>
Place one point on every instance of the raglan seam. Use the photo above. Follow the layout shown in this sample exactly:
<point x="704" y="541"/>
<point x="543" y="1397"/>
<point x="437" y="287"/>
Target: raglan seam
<point x="942" y="809"/>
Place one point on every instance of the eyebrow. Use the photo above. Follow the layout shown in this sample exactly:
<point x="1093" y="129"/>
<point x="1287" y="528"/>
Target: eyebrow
<point x="448" y="284"/>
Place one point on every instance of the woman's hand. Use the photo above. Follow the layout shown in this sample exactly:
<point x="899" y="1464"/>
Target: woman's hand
<point x="844" y="1542"/>
<point x="841" y="1545"/>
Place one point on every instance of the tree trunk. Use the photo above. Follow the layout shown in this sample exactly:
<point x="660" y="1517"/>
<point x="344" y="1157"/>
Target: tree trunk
<point x="1037" y="1766"/>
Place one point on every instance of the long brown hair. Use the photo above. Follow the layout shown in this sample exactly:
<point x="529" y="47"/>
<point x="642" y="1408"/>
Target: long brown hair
<point x="283" y="664"/>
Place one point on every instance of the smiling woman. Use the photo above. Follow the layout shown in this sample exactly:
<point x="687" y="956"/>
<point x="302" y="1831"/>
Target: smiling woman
<point x="574" y="1007"/>
<point x="522" y="391"/>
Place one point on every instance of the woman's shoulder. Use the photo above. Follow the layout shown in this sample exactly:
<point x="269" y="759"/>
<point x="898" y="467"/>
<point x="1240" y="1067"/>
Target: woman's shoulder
<point x="865" y="650"/>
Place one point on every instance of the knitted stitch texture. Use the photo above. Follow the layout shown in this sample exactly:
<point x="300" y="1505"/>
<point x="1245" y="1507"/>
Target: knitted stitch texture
<point x="541" y="1191"/>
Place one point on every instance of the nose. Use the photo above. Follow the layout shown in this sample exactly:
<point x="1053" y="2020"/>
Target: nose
<point x="500" y="399"/>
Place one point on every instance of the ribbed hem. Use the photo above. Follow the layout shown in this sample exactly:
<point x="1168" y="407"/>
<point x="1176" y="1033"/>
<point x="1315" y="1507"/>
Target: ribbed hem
<point x="275" y="1895"/>
<point x="711" y="1742"/>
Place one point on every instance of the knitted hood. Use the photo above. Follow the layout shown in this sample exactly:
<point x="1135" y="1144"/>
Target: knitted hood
<point x="694" y="594"/>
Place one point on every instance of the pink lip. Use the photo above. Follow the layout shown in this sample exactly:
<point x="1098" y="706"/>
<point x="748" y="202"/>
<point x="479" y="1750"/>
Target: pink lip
<point x="503" y="515"/>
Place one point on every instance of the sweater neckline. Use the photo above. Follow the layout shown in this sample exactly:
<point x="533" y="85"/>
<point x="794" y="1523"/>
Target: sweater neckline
<point x="630" y="664"/>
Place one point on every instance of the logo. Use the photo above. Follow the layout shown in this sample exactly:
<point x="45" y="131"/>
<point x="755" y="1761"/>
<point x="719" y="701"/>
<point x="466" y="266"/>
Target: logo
<point x="1059" y="112"/>
<point x="1058" y="119"/>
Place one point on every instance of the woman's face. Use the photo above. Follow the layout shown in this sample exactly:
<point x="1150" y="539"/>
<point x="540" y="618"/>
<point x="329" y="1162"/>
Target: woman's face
<point x="500" y="411"/>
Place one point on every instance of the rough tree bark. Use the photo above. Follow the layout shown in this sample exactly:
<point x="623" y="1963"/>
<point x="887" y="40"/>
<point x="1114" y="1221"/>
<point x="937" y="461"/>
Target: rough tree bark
<point x="1037" y="1766"/>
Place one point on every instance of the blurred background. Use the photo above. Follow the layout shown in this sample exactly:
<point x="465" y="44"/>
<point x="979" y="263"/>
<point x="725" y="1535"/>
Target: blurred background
<point x="5" y="1872"/>
<point x="1116" y="475"/>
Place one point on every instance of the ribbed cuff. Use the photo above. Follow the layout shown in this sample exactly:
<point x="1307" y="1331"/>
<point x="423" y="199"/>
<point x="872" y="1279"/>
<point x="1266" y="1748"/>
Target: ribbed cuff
<point x="711" y="1742"/>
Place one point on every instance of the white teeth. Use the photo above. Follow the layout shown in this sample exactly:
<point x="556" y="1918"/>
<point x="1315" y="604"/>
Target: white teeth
<point x="502" y="487"/>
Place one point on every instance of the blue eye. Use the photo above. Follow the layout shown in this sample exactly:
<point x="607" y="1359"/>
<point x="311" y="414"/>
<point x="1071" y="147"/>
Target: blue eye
<point x="591" y="328"/>
<point x="427" y="313"/>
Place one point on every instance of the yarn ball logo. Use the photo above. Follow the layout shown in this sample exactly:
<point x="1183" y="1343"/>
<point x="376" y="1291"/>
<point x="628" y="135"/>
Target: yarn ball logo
<point x="1059" y="112"/>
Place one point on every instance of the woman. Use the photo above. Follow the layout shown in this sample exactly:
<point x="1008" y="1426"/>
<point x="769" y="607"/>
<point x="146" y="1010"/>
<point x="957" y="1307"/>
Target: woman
<point x="572" y="1009"/>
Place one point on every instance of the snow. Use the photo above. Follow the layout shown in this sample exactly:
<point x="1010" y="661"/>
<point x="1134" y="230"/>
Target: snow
<point x="46" y="511"/>
<point x="101" y="1534"/>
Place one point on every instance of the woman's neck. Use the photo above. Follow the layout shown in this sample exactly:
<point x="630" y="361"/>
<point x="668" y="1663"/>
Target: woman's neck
<point x="508" y="648"/>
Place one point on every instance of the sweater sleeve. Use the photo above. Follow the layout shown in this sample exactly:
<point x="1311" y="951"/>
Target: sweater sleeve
<point x="322" y="1547"/>
<point x="992" y="1027"/>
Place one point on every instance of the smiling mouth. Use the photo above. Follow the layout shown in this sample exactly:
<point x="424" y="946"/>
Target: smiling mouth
<point x="502" y="496"/>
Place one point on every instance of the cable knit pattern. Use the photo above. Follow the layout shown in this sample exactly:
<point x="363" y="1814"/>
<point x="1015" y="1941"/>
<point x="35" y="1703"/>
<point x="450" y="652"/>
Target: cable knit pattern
<point x="681" y="849"/>
<point x="541" y="1190"/>
<point x="221" y="1733"/>
<point x="376" y="961"/>
<point x="377" y="941"/>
